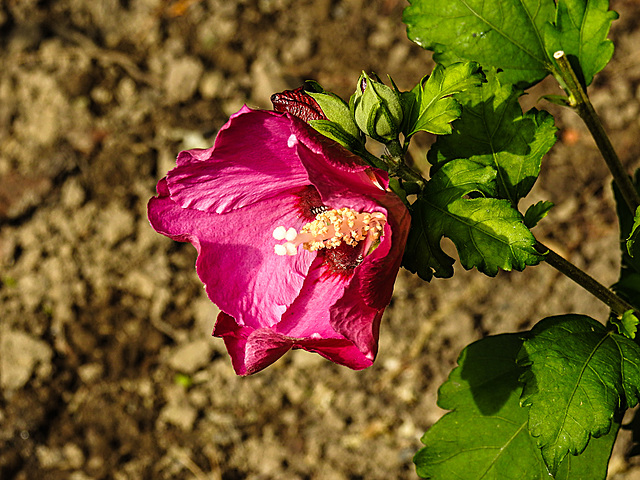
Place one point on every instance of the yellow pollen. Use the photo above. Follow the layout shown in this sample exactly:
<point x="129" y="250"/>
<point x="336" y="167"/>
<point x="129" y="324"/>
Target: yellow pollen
<point x="330" y="229"/>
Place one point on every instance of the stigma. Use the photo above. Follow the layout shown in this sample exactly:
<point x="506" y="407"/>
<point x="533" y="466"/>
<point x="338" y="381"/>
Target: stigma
<point x="330" y="229"/>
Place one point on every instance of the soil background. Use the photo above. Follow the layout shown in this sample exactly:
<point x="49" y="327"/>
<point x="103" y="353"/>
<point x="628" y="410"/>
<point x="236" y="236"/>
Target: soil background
<point x="107" y="367"/>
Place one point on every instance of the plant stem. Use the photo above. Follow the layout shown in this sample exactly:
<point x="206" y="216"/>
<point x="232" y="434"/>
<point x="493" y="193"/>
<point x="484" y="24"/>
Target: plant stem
<point x="617" y="304"/>
<point x="398" y="167"/>
<point x="581" y="103"/>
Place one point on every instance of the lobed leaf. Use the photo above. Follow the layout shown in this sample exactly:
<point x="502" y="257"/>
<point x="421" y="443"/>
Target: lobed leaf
<point x="580" y="29"/>
<point x="537" y="212"/>
<point x="518" y="37"/>
<point x="488" y="233"/>
<point x="505" y="34"/>
<point x="580" y="375"/>
<point x="627" y="324"/>
<point x="492" y="130"/>
<point x="430" y="106"/>
<point x="486" y="436"/>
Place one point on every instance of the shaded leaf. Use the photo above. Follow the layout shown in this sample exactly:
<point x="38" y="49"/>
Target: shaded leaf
<point x="633" y="246"/>
<point x="580" y="375"/>
<point x="628" y="285"/>
<point x="537" y="212"/>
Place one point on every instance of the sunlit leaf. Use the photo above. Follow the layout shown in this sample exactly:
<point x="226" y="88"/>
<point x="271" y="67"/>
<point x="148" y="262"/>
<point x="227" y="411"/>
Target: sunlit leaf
<point x="488" y="233"/>
<point x="430" y="106"/>
<point x="518" y="37"/>
<point x="581" y="29"/>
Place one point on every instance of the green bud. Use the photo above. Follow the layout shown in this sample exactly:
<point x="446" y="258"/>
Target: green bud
<point x="377" y="109"/>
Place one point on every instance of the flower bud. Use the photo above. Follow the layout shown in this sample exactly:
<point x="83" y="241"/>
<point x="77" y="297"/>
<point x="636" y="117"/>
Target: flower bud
<point x="377" y="109"/>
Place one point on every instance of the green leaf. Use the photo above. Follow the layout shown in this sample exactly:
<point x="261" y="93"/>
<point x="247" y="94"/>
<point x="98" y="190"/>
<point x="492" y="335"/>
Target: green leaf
<point x="580" y="29"/>
<point x="580" y="376"/>
<point x="485" y="435"/>
<point x="492" y="130"/>
<point x="488" y="233"/>
<point x="537" y="212"/>
<point x="627" y="324"/>
<point x="633" y="248"/>
<point x="518" y="37"/>
<point x="430" y="106"/>
<point x="505" y="34"/>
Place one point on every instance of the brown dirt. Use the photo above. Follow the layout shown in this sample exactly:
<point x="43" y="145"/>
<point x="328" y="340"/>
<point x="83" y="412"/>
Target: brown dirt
<point x="107" y="366"/>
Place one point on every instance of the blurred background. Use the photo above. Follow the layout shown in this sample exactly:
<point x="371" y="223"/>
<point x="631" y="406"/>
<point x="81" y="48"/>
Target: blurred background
<point x="107" y="366"/>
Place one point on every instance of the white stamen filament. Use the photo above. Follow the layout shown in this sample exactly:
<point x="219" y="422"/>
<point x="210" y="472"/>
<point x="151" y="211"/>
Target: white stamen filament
<point x="330" y="229"/>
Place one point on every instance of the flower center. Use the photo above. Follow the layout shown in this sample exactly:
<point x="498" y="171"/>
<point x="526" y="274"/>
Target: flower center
<point x="330" y="229"/>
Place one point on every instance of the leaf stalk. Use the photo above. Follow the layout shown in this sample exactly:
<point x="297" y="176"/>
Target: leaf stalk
<point x="581" y="103"/>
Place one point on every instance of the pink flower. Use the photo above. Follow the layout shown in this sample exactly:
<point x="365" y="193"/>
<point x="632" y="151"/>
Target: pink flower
<point x="298" y="241"/>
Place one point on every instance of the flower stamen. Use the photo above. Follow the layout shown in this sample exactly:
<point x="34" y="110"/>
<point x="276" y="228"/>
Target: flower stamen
<point x="330" y="229"/>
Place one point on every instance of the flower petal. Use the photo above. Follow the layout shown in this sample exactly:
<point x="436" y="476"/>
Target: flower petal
<point x="340" y="182"/>
<point x="236" y="259"/>
<point x="340" y="351"/>
<point x="250" y="350"/>
<point x="308" y="316"/>
<point x="358" y="322"/>
<point x="253" y="350"/>
<point x="252" y="160"/>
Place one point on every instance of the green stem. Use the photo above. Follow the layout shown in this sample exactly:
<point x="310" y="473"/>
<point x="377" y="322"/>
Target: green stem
<point x="397" y="166"/>
<point x="617" y="304"/>
<point x="581" y="103"/>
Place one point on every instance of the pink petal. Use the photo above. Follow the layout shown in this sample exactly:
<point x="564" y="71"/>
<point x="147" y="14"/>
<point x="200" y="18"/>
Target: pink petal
<point x="342" y="352"/>
<point x="309" y="315"/>
<point x="236" y="259"/>
<point x="250" y="350"/>
<point x="253" y="350"/>
<point x="252" y="160"/>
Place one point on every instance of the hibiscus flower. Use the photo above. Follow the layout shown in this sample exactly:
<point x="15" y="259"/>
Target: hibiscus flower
<point x="299" y="242"/>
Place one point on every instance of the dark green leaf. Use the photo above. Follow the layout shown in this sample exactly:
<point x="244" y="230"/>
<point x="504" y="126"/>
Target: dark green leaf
<point x="581" y="29"/>
<point x="485" y="436"/>
<point x="537" y="212"/>
<point x="430" y="106"/>
<point x="580" y="376"/>
<point x="488" y="233"/>
<point x="492" y="130"/>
